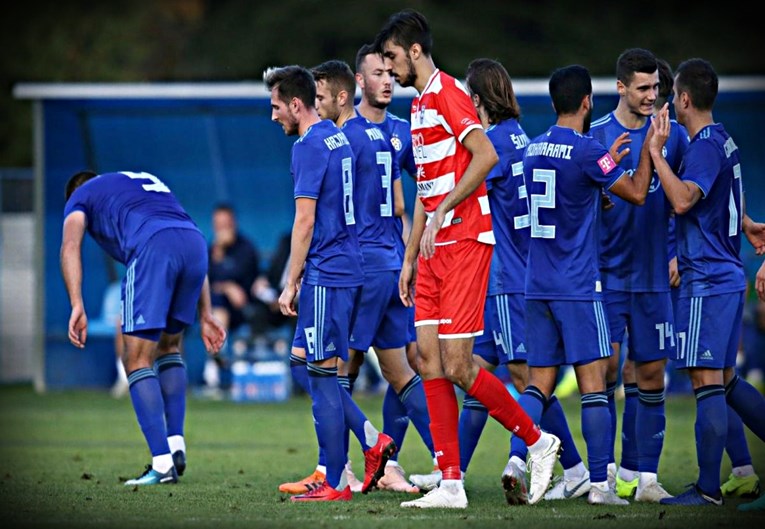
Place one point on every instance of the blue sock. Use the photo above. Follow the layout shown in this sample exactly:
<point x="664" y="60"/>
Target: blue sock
<point x="345" y="384"/>
<point x="149" y="409"/>
<point x="328" y="419"/>
<point x="533" y="401"/>
<point x="554" y="421"/>
<point x="736" y="446"/>
<point x="472" y="420"/>
<point x="630" y="456"/>
<point x="173" y="381"/>
<point x="413" y="398"/>
<point x="596" y="430"/>
<point x="610" y="390"/>
<point x="354" y="419"/>
<point x="395" y="419"/>
<point x="649" y="429"/>
<point x="748" y="403"/>
<point x="711" y="433"/>
<point x="299" y="370"/>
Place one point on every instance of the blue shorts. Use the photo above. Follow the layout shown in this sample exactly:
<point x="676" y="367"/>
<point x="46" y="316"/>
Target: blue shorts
<point x="412" y="332"/>
<point x="163" y="281"/>
<point x="648" y="317"/>
<point x="708" y="330"/>
<point x="382" y="320"/>
<point x="503" y="340"/>
<point x="325" y="316"/>
<point x="566" y="332"/>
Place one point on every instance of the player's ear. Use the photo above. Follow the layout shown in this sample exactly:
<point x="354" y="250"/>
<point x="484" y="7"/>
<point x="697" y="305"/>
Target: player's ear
<point x="620" y="88"/>
<point x="415" y="50"/>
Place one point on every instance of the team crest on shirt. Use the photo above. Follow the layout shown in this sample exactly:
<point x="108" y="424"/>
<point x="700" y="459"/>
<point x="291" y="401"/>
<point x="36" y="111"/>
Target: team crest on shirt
<point x="421" y="113"/>
<point x="395" y="141"/>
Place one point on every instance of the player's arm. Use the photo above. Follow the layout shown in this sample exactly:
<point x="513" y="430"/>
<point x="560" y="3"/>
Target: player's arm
<point x="212" y="331"/>
<point x="483" y="159"/>
<point x="399" y="207"/>
<point x="302" y="233"/>
<point x="681" y="194"/>
<point x="406" y="278"/>
<point x="759" y="282"/>
<point x="635" y="189"/>
<point x="71" y="270"/>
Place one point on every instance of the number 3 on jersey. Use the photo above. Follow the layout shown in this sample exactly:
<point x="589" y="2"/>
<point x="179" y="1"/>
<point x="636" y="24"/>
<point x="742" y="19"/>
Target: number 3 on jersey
<point x="546" y="200"/>
<point x="156" y="184"/>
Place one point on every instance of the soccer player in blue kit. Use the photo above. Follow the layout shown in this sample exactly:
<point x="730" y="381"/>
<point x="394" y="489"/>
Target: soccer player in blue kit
<point x="564" y="171"/>
<point x="708" y="234"/>
<point x="633" y="267"/>
<point x="136" y="219"/>
<point x="382" y="320"/>
<point x="325" y="268"/>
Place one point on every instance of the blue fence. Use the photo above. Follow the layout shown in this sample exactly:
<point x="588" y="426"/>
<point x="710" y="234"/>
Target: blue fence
<point x="210" y="149"/>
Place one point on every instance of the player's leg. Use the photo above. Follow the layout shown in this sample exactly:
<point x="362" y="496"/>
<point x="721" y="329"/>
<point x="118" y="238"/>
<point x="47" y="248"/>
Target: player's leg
<point x="704" y="324"/>
<point x="742" y="481"/>
<point x="617" y="308"/>
<point x="173" y="380"/>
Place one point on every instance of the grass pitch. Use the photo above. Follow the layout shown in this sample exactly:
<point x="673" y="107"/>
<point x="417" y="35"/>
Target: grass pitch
<point x="64" y="456"/>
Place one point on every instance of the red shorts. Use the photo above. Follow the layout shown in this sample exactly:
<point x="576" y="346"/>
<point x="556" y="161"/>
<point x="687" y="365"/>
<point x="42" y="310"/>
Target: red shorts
<point x="451" y="288"/>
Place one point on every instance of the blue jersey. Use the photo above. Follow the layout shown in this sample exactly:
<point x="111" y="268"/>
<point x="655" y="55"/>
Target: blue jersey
<point x="633" y="239"/>
<point x="564" y="172"/>
<point x="709" y="234"/>
<point x="375" y="170"/>
<point x="322" y="168"/>
<point x="509" y="209"/>
<point x="124" y="210"/>
<point x="399" y="132"/>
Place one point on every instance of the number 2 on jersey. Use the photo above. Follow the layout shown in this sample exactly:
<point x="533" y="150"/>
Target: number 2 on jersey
<point x="547" y="200"/>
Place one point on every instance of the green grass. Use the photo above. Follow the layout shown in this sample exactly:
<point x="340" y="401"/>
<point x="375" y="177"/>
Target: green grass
<point x="63" y="457"/>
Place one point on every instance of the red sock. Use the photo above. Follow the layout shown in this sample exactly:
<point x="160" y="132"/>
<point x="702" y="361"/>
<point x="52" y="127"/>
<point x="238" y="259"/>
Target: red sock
<point x="490" y="392"/>
<point x="444" y="421"/>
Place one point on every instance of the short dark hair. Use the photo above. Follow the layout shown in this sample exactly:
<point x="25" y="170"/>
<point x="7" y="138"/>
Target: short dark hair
<point x="568" y="86"/>
<point x="366" y="49"/>
<point x="699" y="80"/>
<point x="224" y="207"/>
<point x="292" y="81"/>
<point x="76" y="180"/>
<point x="632" y="61"/>
<point x="338" y="76"/>
<point x="666" y="81"/>
<point x="489" y="80"/>
<point x="404" y="29"/>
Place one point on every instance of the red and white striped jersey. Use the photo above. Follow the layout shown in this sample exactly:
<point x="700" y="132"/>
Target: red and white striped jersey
<point x="442" y="115"/>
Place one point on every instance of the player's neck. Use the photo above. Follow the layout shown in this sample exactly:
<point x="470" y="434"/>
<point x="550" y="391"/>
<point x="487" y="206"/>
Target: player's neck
<point x="697" y="121"/>
<point x="571" y="121"/>
<point x="424" y="68"/>
<point x="310" y="119"/>
<point x="345" y="114"/>
<point x="372" y="113"/>
<point x="629" y="119"/>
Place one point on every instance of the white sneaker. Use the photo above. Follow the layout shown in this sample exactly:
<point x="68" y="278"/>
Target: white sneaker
<point x="598" y="497"/>
<point x="611" y="476"/>
<point x="394" y="480"/>
<point x="541" y="465"/>
<point x="568" y="489"/>
<point x="514" y="483"/>
<point x="353" y="481"/>
<point x="426" y="481"/>
<point x="440" y="497"/>
<point x="651" y="493"/>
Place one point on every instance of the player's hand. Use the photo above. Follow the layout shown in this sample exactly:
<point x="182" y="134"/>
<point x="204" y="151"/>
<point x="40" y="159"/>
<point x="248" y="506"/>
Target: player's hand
<point x="759" y="282"/>
<point x="755" y="234"/>
<point x="287" y="300"/>
<point x="660" y="128"/>
<point x="213" y="333"/>
<point x="674" y="273"/>
<point x="622" y="139"/>
<point x="605" y="200"/>
<point x="428" y="240"/>
<point x="405" y="282"/>
<point x="78" y="326"/>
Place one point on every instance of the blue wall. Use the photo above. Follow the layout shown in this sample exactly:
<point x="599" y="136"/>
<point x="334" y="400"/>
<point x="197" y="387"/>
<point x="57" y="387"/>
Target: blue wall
<point x="211" y="150"/>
